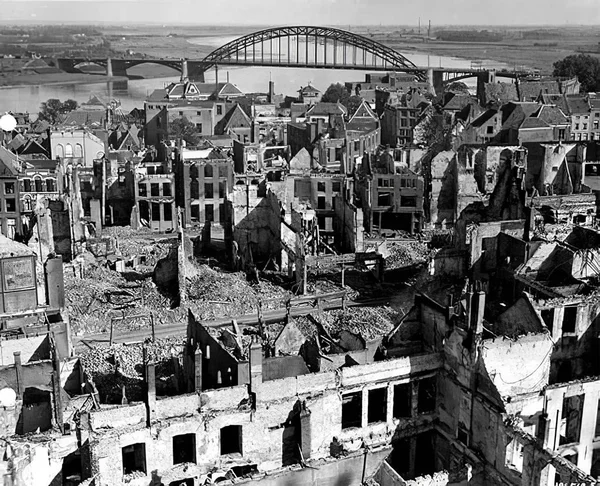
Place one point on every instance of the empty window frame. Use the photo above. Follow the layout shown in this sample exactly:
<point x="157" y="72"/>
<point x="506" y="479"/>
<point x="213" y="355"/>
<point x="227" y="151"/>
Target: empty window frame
<point x="352" y="410"/>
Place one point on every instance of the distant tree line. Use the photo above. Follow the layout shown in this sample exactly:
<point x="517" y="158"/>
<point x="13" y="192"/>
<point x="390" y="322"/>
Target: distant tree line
<point x="469" y="36"/>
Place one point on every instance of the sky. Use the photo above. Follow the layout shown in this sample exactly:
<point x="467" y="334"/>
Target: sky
<point x="306" y="12"/>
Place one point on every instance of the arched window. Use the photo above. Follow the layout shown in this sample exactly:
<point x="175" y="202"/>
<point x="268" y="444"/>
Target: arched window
<point x="68" y="150"/>
<point x="39" y="187"/>
<point x="50" y="185"/>
<point x="78" y="150"/>
<point x="208" y="171"/>
<point x="27" y="204"/>
<point x="59" y="151"/>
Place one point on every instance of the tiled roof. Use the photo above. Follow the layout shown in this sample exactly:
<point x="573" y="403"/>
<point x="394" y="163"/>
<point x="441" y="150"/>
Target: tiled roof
<point x="577" y="104"/>
<point x="483" y="118"/>
<point x="552" y="115"/>
<point x="84" y="118"/>
<point x="534" y="122"/>
<point x="326" y="109"/>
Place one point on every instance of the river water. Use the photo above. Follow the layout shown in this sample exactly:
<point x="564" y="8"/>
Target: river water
<point x="249" y="79"/>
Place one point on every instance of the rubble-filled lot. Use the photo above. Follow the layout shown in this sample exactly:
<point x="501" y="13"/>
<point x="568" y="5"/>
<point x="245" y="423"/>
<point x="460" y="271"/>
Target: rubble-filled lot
<point x="121" y="365"/>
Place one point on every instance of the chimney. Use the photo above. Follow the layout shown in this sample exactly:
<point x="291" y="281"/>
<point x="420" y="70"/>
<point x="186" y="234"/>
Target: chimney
<point x="198" y="370"/>
<point x="151" y="389"/>
<point x="271" y="91"/>
<point x="256" y="364"/>
<point x="19" y="373"/>
<point x="478" y="309"/>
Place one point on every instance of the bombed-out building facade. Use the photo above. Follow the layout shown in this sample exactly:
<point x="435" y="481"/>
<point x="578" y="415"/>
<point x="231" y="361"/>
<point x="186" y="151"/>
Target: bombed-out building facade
<point x="402" y="292"/>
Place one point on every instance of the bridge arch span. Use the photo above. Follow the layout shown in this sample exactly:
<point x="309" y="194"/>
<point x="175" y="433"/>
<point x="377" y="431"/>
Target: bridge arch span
<point x="323" y="47"/>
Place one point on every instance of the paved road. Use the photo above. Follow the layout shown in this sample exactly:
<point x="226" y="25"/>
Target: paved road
<point x="180" y="328"/>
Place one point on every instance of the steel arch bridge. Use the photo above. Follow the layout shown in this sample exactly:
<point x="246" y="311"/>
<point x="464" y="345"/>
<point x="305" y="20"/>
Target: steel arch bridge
<point x="310" y="47"/>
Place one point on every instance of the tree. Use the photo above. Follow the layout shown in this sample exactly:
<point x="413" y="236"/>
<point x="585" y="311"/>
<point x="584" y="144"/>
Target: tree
<point x="585" y="67"/>
<point x="183" y="129"/>
<point x="352" y="104"/>
<point x="458" y="87"/>
<point x="336" y="92"/>
<point x="53" y="109"/>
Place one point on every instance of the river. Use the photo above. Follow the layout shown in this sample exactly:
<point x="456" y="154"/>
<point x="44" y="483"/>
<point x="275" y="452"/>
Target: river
<point x="249" y="79"/>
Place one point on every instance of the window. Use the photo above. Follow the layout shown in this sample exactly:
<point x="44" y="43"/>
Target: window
<point x="155" y="211"/>
<point x="78" y="150"/>
<point x="336" y="186"/>
<point x="222" y="171"/>
<point x="195" y="212"/>
<point x="50" y="185"/>
<point x="561" y="133"/>
<point x="195" y="189"/>
<point x="209" y="212"/>
<point x="377" y="410"/>
<point x="208" y="171"/>
<point x="321" y="186"/>
<point x="219" y="109"/>
<point x="356" y="145"/>
<point x="231" y="440"/>
<point x="167" y="189"/>
<point x="181" y="113"/>
<point x="585" y="126"/>
<point x="184" y="448"/>
<point x="351" y="410"/>
<point x="576" y="126"/>
<point x="570" y="426"/>
<point x="402" y="400"/>
<point x="208" y="191"/>
<point x="222" y="189"/>
<point x="384" y="199"/>
<point x="59" y="151"/>
<point x="134" y="458"/>
<point x="68" y="150"/>
<point x="198" y="113"/>
<point x="596" y="124"/>
<point x="39" y="186"/>
<point x="321" y="202"/>
<point x="168" y="212"/>
<point x="9" y="188"/>
<point x="426" y="398"/>
<point x="408" y="201"/>
<point x="490" y="129"/>
<point x="154" y="189"/>
<point x="143" y="190"/>
<point x="199" y="127"/>
<point x="26" y="185"/>
<point x="11" y="205"/>
<point x="391" y="182"/>
<point x="569" y="319"/>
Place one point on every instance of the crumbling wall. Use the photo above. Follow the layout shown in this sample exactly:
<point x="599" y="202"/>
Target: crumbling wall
<point x="257" y="223"/>
<point x="348" y="226"/>
<point x="444" y="184"/>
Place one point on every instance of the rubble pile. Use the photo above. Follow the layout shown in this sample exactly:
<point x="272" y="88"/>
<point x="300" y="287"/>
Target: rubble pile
<point x="213" y="293"/>
<point x="368" y="322"/>
<point x="142" y="243"/>
<point x="111" y="368"/>
<point x="405" y="253"/>
<point x="103" y="294"/>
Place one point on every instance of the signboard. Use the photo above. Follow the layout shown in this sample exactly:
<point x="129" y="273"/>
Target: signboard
<point x="18" y="274"/>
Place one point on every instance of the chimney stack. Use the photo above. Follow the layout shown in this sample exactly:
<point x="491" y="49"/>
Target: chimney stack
<point x="150" y="388"/>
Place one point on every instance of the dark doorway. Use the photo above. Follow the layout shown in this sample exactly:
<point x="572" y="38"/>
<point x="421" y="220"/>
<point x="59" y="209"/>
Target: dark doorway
<point x="184" y="448"/>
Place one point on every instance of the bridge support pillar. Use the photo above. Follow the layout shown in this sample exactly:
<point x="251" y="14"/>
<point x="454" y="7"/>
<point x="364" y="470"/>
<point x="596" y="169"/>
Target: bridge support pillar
<point x="196" y="71"/>
<point x="184" y="69"/>
<point x="435" y="78"/>
<point x="116" y="67"/>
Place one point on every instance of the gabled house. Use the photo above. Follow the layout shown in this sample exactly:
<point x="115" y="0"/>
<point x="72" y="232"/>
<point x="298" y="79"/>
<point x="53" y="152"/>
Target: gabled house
<point x="484" y="128"/>
<point x="309" y="95"/>
<point x="235" y="122"/>
<point x="10" y="211"/>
